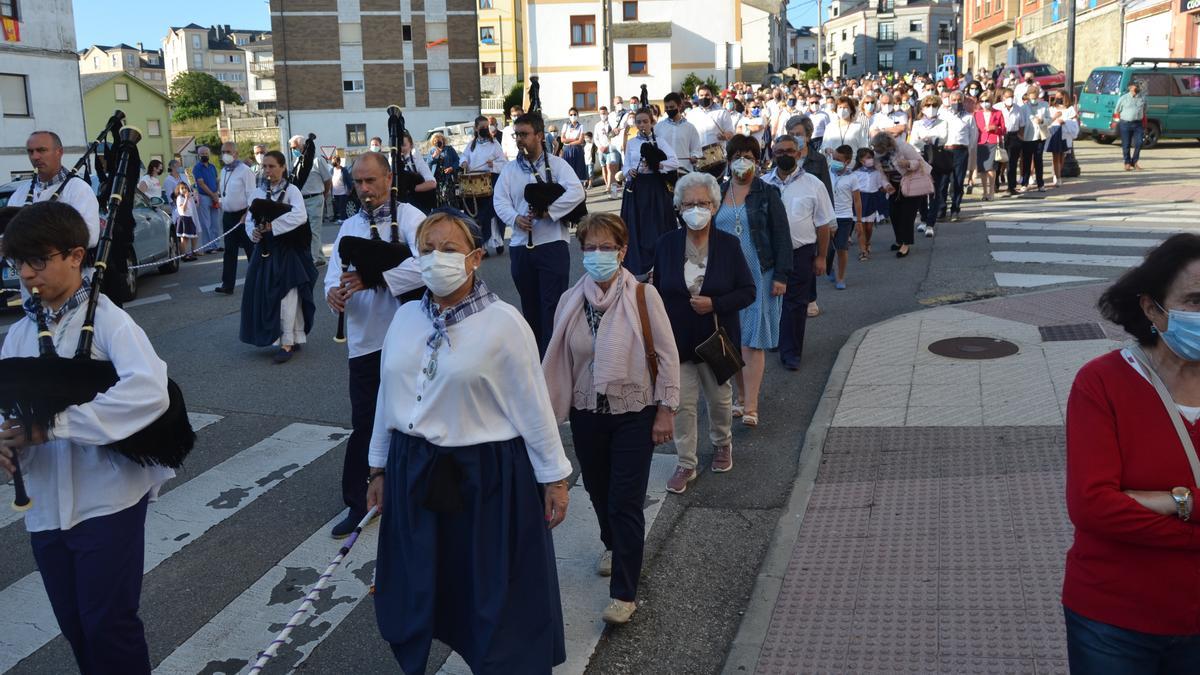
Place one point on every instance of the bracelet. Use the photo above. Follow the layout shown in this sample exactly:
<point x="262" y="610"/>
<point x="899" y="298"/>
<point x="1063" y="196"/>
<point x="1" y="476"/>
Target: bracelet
<point x="374" y="475"/>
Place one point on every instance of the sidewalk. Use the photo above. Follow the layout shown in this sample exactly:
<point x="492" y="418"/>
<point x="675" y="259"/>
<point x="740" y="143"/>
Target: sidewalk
<point x="928" y="529"/>
<point x="1170" y="175"/>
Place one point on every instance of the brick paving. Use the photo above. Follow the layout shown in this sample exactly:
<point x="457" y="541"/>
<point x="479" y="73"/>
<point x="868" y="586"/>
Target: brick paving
<point x="935" y="533"/>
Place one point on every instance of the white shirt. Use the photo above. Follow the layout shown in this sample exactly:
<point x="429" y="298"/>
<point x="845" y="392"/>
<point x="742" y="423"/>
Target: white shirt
<point x="844" y="187"/>
<point x="618" y="122"/>
<point x="150" y="186"/>
<point x="72" y="477"/>
<point x="682" y="138"/>
<point x="477" y="158"/>
<point x="1014" y="117"/>
<point x="369" y="312"/>
<point x="1033" y="113"/>
<point x="807" y="204"/>
<point x="417" y="165"/>
<point x="959" y="127"/>
<point x="1020" y="90"/>
<point x="820" y="120"/>
<point x="289" y="221"/>
<point x="339" y="187"/>
<point x="237" y="186"/>
<point x="924" y="132"/>
<point x="600" y="134"/>
<point x="508" y="141"/>
<point x="839" y="132"/>
<point x="488" y="373"/>
<point x="633" y="157"/>
<point x="317" y="178"/>
<point x="77" y="193"/>
<point x="509" y="199"/>
<point x="710" y="124"/>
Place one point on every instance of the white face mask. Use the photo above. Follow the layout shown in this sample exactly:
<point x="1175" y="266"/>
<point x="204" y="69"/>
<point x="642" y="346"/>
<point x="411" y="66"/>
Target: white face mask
<point x="987" y="105"/>
<point x="885" y="108"/>
<point x="930" y="112"/>
<point x="741" y="166"/>
<point x="573" y="118"/>
<point x="844" y="113"/>
<point x="443" y="272"/>
<point x="258" y="157"/>
<point x="1008" y="101"/>
<point x="697" y="217"/>
<point x="226" y="158"/>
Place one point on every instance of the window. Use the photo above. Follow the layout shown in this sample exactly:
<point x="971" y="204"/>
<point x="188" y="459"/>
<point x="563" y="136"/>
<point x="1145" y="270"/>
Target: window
<point x="487" y="68"/>
<point x="406" y="32"/>
<point x="198" y="61"/>
<point x="439" y="80"/>
<point x="218" y="58"/>
<point x="583" y="30"/>
<point x="916" y="55"/>
<point x="14" y="95"/>
<point x="843" y="36"/>
<point x="915" y="26"/>
<point x="352" y="85"/>
<point x="153" y="127"/>
<point x="886" y="6"/>
<point x="1156" y="84"/>
<point x="122" y="91"/>
<point x="9" y="8"/>
<point x="116" y="59"/>
<point x="356" y="134"/>
<point x="129" y="60"/>
<point x="1189" y="85"/>
<point x="583" y="95"/>
<point x="885" y="60"/>
<point x="487" y="35"/>
<point x="95" y="61"/>
<point x="637" y="60"/>
<point x="629" y="10"/>
<point x="485" y="4"/>
<point x="854" y="59"/>
<point x="887" y="32"/>
<point x="235" y="58"/>
<point x="1099" y="82"/>
<point x="410" y="80"/>
<point x="350" y="33"/>
<point x="195" y="42"/>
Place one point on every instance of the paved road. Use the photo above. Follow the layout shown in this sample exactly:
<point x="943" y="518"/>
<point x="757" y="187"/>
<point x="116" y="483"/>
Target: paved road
<point x="239" y="536"/>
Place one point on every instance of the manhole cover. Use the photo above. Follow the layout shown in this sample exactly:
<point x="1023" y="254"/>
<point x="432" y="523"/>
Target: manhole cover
<point x="973" y="348"/>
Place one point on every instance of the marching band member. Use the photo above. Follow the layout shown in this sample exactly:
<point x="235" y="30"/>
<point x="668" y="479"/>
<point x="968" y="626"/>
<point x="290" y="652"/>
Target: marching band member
<point x="45" y="150"/>
<point x="369" y="312"/>
<point x="87" y="523"/>
<point x="646" y="208"/>
<point x="465" y="551"/>
<point x="277" y="302"/>
<point x="424" y="194"/>
<point x="484" y="153"/>
<point x="541" y="261"/>
<point x="315" y="189"/>
<point x="712" y="122"/>
<point x="679" y="134"/>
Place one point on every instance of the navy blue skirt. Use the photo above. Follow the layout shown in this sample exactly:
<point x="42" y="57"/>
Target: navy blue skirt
<point x="573" y="155"/>
<point x="648" y="213"/>
<point x="267" y="281"/>
<point x="481" y="580"/>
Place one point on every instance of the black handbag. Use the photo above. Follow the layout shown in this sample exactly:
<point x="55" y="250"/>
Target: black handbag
<point x="718" y="352"/>
<point x="1070" y="167"/>
<point x="941" y="159"/>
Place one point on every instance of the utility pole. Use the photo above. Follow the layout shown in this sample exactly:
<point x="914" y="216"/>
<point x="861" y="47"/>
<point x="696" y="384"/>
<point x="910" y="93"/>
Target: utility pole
<point x="820" y="40"/>
<point x="608" y="52"/>
<point x="1071" y="48"/>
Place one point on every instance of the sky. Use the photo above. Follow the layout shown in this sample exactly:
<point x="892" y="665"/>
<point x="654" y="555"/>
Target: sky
<point x="804" y="12"/>
<point x="107" y="22"/>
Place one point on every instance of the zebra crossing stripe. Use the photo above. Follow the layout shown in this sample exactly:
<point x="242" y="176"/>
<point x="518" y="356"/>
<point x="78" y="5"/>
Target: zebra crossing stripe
<point x="178" y="518"/>
<point x="1086" y="259"/>
<point x="1035" y="240"/>
<point x="584" y="593"/>
<point x="1082" y="227"/>
<point x="8" y="516"/>
<point x="231" y="641"/>
<point x="1007" y="280"/>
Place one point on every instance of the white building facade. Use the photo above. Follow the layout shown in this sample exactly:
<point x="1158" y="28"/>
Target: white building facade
<point x="217" y="50"/>
<point x="139" y="62"/>
<point x="876" y="36"/>
<point x="655" y="42"/>
<point x="39" y="85"/>
<point x="260" y="75"/>
<point x="764" y="39"/>
<point x="802" y="45"/>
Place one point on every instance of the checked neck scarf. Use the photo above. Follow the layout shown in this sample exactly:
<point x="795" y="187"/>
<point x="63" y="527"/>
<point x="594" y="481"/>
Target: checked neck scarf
<point x="476" y="301"/>
<point x="33" y="307"/>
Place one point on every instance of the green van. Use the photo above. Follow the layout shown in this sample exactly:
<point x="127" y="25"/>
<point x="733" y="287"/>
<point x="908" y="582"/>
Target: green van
<point x="1172" y="90"/>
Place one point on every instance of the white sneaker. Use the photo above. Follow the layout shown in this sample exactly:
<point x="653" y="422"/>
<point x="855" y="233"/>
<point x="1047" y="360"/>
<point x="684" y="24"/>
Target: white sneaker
<point x="619" y="612"/>
<point x="604" y="564"/>
<point x="921" y="228"/>
<point x="929" y="233"/>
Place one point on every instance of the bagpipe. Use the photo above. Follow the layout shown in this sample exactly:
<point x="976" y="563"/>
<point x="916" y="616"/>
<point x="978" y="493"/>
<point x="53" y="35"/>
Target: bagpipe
<point x="299" y="238"/>
<point x="541" y="194"/>
<point x="372" y="257"/>
<point x="34" y="390"/>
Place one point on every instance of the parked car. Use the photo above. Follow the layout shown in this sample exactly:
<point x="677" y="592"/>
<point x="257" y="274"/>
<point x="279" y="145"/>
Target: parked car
<point x="1171" y="88"/>
<point x="153" y="240"/>
<point x="1045" y="75"/>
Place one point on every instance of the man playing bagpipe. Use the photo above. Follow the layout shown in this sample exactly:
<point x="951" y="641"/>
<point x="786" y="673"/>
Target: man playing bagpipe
<point x="89" y="499"/>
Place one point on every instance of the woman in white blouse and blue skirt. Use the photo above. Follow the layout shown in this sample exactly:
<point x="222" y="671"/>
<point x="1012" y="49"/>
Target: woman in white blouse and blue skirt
<point x="646" y="207"/>
<point x="469" y="471"/>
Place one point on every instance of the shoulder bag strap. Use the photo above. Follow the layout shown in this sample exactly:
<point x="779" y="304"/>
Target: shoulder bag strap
<point x="1172" y="410"/>
<point x="647" y="334"/>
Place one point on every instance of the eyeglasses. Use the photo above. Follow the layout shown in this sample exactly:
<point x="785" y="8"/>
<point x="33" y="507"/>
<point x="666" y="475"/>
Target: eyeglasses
<point x="603" y="248"/>
<point x="36" y="263"/>
<point x="695" y="205"/>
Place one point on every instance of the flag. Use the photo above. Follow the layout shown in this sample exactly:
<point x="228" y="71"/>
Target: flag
<point x="435" y="43"/>
<point x="12" y="29"/>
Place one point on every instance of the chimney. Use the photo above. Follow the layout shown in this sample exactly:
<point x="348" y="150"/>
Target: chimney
<point x="139" y="47"/>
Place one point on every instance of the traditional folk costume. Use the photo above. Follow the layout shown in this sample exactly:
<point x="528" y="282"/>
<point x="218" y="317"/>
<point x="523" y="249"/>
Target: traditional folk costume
<point x="647" y="208"/>
<point x="73" y="191"/>
<point x="277" y="302"/>
<point x="467" y="435"/>
<point x="475" y="158"/>
<point x="541" y="261"/>
<point x="573" y="154"/>
<point x="417" y="172"/>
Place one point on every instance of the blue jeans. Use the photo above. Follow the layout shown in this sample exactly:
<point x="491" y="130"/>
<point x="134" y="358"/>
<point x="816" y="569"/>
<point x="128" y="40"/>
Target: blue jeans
<point x="961" y="155"/>
<point x="1131" y="141"/>
<point x="1095" y="647"/>
<point x="933" y="204"/>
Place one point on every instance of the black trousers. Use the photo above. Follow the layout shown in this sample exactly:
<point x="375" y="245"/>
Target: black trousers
<point x="1031" y="153"/>
<point x="541" y="275"/>
<point x="904" y="214"/>
<point x="614" y="454"/>
<point x="236" y="240"/>
<point x="1013" y="146"/>
<point x="364" y="390"/>
<point x="794" y="315"/>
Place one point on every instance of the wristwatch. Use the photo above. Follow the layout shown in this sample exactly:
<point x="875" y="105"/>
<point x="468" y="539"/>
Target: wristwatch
<point x="1183" y="502"/>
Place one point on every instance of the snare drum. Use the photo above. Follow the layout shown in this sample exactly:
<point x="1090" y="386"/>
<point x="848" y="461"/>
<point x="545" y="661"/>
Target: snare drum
<point x="476" y="184"/>
<point x="713" y="160"/>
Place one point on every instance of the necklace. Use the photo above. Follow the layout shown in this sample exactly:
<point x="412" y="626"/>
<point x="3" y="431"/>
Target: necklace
<point x="737" y="209"/>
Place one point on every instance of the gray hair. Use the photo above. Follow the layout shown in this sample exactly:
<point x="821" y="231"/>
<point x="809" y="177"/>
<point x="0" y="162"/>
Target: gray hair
<point x="296" y="139"/>
<point x="697" y="179"/>
<point x="883" y="142"/>
<point x="785" y="138"/>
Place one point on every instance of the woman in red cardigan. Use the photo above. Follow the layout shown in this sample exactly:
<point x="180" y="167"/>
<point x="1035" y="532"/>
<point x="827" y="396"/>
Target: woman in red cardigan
<point x="1131" y="595"/>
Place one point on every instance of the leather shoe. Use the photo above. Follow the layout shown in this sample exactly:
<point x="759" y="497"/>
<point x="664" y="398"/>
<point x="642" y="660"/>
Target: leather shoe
<point x="282" y="356"/>
<point x="344" y="528"/>
<point x="223" y="291"/>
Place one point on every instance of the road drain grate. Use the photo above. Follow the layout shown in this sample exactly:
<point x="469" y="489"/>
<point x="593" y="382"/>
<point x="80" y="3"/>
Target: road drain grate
<point x="1071" y="332"/>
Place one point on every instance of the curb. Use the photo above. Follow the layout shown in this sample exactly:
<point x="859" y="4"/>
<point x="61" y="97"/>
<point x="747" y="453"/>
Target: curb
<point x="756" y="621"/>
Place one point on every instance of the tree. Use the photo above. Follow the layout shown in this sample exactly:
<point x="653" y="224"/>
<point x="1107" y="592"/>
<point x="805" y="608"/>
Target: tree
<point x="515" y="98"/>
<point x="812" y="74"/>
<point x="195" y="94"/>
<point x="693" y="82"/>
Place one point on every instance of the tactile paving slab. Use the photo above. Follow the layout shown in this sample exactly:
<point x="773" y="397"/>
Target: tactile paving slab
<point x="1071" y="332"/>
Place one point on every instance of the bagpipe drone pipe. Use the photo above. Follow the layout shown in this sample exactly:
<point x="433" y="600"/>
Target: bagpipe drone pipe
<point x="35" y="390"/>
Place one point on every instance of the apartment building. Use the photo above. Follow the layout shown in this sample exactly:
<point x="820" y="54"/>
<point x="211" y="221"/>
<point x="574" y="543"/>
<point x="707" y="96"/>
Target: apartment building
<point x="1185" y="29"/>
<point x="654" y="42"/>
<point x="340" y="63"/>
<point x="39" y="81"/>
<point x="260" y="75"/>
<point x="501" y="46"/>
<point x="136" y="61"/>
<point x="216" y="50"/>
<point x="989" y="29"/>
<point x="872" y="36"/>
<point x="764" y="38"/>
<point x="802" y="45"/>
<point x="1041" y="34"/>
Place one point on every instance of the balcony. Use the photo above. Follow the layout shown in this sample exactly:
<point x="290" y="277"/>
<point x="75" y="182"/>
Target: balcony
<point x="264" y="71"/>
<point x="886" y="36"/>
<point x="886" y="7"/>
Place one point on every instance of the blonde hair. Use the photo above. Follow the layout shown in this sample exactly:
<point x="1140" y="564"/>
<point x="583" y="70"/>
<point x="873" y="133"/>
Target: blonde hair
<point x="468" y="229"/>
<point x="599" y="223"/>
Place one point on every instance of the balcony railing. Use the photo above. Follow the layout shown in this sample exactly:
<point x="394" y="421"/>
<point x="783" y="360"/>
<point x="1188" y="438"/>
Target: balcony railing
<point x="887" y="36"/>
<point x="265" y="71"/>
<point x="886" y="7"/>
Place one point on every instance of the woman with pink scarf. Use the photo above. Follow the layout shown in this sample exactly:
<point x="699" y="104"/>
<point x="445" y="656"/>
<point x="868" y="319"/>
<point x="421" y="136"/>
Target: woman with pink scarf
<point x="612" y="368"/>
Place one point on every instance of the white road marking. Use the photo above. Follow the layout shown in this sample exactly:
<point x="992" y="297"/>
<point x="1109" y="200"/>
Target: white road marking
<point x="141" y="302"/>
<point x="212" y="287"/>
<point x="1080" y="227"/>
<point x="170" y="285"/>
<point x="248" y="624"/>
<point x="584" y="593"/>
<point x="180" y="517"/>
<point x="1006" y="280"/>
<point x="1116" y="242"/>
<point x="1066" y="258"/>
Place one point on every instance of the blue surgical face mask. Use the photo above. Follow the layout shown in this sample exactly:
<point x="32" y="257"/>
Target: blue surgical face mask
<point x="1183" y="333"/>
<point x="600" y="265"/>
<point x="837" y="165"/>
<point x="295" y="152"/>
